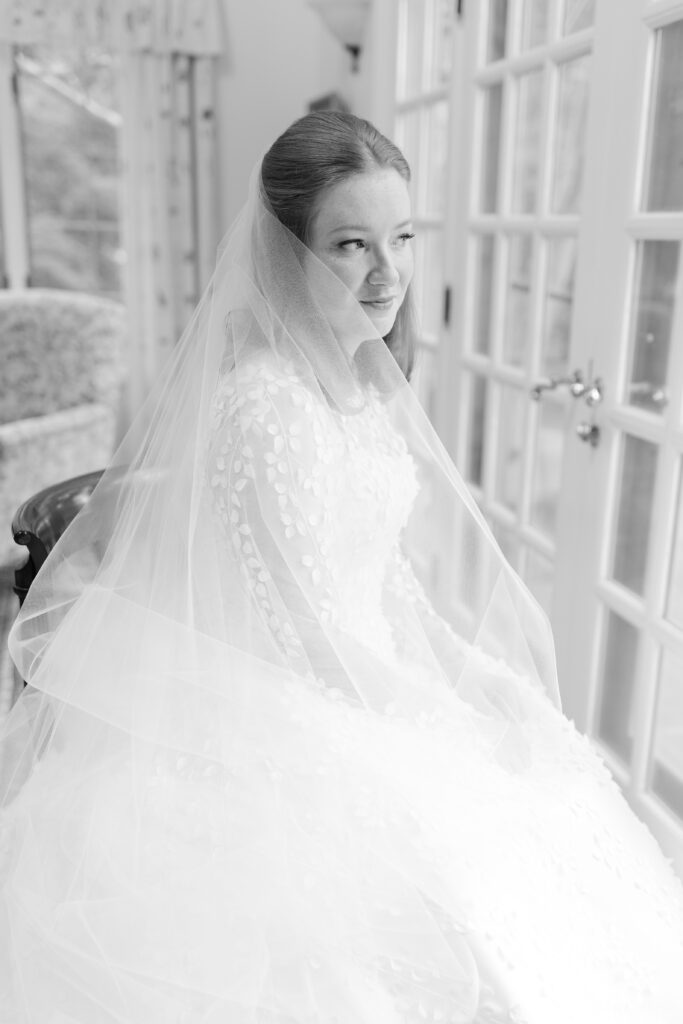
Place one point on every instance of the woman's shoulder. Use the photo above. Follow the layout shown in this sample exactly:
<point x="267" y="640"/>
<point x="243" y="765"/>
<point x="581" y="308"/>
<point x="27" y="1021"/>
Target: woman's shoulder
<point x="263" y="385"/>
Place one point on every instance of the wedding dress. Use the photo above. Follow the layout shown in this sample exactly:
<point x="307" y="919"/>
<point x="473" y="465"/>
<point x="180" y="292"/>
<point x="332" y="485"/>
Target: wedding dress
<point x="260" y="774"/>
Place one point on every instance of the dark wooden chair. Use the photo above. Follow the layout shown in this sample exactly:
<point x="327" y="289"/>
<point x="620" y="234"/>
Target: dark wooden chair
<point x="41" y="520"/>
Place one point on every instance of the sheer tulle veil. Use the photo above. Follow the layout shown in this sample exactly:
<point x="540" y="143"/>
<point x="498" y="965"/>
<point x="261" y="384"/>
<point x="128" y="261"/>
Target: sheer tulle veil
<point x="141" y="620"/>
<point x="289" y="749"/>
<point x="200" y="717"/>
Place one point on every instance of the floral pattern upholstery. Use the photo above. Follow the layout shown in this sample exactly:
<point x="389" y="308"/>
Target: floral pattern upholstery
<point x="63" y="357"/>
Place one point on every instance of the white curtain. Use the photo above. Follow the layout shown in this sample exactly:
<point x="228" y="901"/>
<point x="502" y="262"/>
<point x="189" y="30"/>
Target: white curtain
<point x="168" y="50"/>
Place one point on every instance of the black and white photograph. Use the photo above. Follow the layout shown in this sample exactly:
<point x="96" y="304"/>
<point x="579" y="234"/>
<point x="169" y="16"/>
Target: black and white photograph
<point x="341" y="511"/>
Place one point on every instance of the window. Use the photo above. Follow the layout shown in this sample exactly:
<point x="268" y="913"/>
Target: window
<point x="424" y="68"/>
<point x="67" y="152"/>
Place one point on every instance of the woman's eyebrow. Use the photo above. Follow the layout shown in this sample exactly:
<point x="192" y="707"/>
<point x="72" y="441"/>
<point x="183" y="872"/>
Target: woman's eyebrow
<point x="360" y="227"/>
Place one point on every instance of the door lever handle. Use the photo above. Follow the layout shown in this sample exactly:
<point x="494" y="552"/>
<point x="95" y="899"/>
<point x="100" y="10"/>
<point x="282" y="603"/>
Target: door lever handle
<point x="577" y="386"/>
<point x="590" y="433"/>
<point x="594" y="394"/>
<point x="575" y="383"/>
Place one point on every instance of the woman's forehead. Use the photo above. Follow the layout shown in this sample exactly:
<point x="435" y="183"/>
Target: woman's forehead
<point x="364" y="200"/>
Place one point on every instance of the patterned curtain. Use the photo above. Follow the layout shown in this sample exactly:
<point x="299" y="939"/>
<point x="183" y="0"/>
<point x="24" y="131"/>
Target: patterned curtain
<point x="167" y="50"/>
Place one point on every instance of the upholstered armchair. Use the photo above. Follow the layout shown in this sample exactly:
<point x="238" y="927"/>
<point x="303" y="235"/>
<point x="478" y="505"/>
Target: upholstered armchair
<point x="62" y="367"/>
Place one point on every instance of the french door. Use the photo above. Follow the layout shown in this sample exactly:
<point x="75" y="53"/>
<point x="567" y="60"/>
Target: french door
<point x="560" y="373"/>
<point x="424" y="67"/>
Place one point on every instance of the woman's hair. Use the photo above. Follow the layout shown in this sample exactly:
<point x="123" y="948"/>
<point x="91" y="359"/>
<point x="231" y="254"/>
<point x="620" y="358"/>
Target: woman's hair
<point x="314" y="154"/>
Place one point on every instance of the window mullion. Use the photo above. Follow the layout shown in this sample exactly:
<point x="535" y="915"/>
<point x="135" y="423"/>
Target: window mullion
<point x="12" y="191"/>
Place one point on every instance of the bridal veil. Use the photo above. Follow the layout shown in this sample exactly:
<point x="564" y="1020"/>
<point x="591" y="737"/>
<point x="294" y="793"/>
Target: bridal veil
<point x="186" y="620"/>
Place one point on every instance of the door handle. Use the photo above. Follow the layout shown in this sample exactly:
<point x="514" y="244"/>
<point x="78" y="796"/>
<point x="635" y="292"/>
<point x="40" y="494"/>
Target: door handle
<point x="592" y="393"/>
<point x="575" y="383"/>
<point x="590" y="433"/>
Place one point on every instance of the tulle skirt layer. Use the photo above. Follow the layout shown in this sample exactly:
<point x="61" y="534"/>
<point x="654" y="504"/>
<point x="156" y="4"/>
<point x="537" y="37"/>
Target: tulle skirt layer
<point x="321" y="862"/>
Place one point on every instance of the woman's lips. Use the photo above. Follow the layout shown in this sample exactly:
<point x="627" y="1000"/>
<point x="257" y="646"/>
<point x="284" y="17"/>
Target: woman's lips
<point x="380" y="304"/>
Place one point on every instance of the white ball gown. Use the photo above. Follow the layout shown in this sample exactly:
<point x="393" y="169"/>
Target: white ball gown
<point x="407" y="829"/>
<point x="339" y="865"/>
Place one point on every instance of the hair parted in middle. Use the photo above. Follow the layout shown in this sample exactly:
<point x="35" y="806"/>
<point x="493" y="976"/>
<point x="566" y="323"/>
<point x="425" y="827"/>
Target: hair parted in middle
<point x="316" y="153"/>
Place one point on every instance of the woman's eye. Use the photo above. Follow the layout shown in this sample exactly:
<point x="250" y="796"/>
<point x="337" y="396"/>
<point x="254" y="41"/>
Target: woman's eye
<point x="355" y="244"/>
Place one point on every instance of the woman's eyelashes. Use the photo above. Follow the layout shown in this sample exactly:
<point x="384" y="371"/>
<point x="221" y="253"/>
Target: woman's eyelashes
<point x="351" y="244"/>
<point x="354" y="244"/>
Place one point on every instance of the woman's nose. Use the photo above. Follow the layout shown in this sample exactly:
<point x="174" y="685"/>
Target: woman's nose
<point x="384" y="270"/>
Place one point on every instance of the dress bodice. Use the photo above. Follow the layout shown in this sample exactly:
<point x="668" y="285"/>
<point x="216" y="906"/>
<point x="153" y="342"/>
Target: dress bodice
<point x="311" y="497"/>
<point x="368" y="487"/>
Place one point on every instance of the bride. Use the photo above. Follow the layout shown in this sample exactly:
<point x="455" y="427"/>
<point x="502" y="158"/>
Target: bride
<point x="273" y="764"/>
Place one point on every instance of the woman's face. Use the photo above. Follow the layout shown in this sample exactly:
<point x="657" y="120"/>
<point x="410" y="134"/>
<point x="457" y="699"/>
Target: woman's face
<point x="362" y="232"/>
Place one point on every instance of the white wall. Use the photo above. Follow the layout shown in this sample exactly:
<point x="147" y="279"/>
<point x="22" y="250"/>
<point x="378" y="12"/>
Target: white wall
<point x="372" y="89"/>
<point x="279" y="57"/>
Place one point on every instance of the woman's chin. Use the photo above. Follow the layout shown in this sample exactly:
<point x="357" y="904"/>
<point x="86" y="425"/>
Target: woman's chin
<point x="381" y="320"/>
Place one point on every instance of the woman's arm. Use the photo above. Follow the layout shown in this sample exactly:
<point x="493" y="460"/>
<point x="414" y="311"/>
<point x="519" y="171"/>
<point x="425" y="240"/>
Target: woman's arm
<point x="266" y="474"/>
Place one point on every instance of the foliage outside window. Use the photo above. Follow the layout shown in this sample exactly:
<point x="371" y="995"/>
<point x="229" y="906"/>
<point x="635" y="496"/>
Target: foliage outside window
<point x="70" y="140"/>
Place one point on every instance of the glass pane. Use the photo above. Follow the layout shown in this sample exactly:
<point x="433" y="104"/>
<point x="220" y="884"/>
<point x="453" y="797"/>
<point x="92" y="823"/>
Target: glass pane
<point x="484" y="287"/>
<point x="636" y="490"/>
<point x="430" y="266"/>
<point x="441" y="64"/>
<point x="618" y="685"/>
<point x="437" y="147"/>
<point x="656" y="270"/>
<point x="664" y="177"/>
<point x="527" y="140"/>
<point x="674" y="603"/>
<point x="572" y="113"/>
<point x="410" y="47"/>
<point x="535" y="23"/>
<point x="666" y="768"/>
<point x="100" y="251"/>
<point x="3" y="272"/>
<point x="558" y="304"/>
<point x="408" y="139"/>
<point x="497" y="30"/>
<point x="510" y="430"/>
<point x="539" y="576"/>
<point x="492" y="99"/>
<point x="551" y="431"/>
<point x="578" y="14"/>
<point x="71" y="169"/>
<point x="518" y="300"/>
<point x="476" y="428"/>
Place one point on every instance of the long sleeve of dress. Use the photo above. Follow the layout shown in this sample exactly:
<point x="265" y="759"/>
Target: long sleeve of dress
<point x="272" y="491"/>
